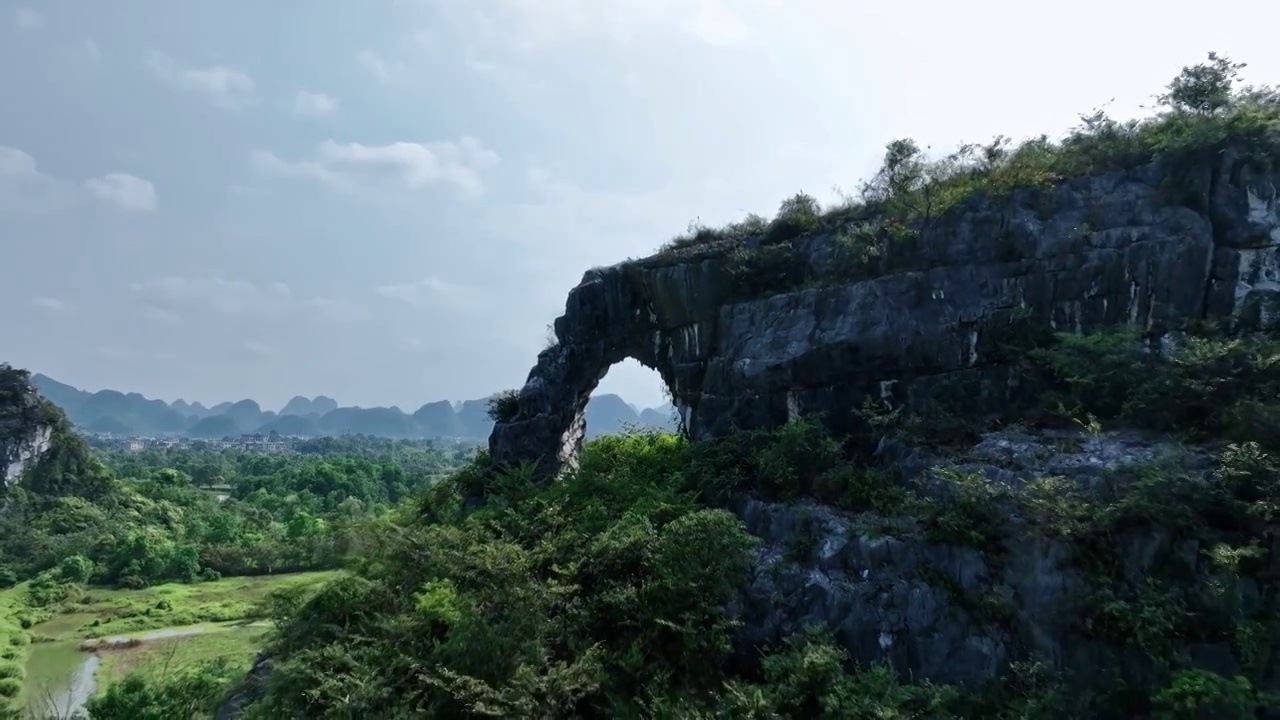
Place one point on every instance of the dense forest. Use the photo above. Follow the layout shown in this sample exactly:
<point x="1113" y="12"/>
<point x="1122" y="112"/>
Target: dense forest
<point x="186" y="514"/>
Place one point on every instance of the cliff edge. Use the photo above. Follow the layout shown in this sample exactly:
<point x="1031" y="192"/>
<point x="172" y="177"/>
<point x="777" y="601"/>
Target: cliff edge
<point x="1160" y="246"/>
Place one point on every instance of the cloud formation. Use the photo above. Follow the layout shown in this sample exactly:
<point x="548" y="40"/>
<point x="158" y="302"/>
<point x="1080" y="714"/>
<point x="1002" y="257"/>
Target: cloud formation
<point x="16" y="164"/>
<point x="380" y="68"/>
<point x="314" y="104"/>
<point x="124" y="191"/>
<point x="27" y="19"/>
<point x="50" y="305"/>
<point x="173" y="298"/>
<point x="225" y="87"/>
<point x="434" y="292"/>
<point x="407" y="165"/>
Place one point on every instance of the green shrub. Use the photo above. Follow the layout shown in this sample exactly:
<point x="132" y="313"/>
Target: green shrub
<point x="189" y="693"/>
<point x="10" y="687"/>
<point x="798" y="215"/>
<point x="1200" y="693"/>
<point x="504" y="406"/>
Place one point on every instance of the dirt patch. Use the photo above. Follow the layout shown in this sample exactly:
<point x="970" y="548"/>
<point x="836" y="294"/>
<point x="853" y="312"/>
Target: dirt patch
<point x="115" y="643"/>
<point x="125" y="643"/>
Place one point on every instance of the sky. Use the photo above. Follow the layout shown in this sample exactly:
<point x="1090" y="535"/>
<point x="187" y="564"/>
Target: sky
<point x="386" y="201"/>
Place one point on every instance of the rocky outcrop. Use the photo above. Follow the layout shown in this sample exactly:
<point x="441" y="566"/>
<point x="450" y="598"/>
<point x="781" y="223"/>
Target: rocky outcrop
<point x="959" y="614"/>
<point x="38" y="448"/>
<point x="22" y="453"/>
<point x="26" y="431"/>
<point x="1155" y="246"/>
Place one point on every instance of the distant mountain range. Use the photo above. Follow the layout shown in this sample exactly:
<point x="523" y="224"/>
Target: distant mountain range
<point x="111" y="411"/>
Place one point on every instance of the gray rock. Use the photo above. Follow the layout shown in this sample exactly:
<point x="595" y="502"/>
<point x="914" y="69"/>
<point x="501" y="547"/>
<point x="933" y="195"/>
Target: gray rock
<point x="944" y="613"/>
<point x="1094" y="251"/>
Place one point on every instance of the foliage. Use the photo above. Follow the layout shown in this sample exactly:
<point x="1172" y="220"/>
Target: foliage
<point x="503" y="406"/>
<point x="1206" y="385"/>
<point x="188" y="515"/>
<point x="1202" y="113"/>
<point x="1200" y="693"/>
<point x="574" y="599"/>
<point x="188" y="693"/>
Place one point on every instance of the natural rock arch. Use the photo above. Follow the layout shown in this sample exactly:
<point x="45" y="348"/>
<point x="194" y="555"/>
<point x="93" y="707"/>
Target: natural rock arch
<point x="1094" y="251"/>
<point x="653" y="315"/>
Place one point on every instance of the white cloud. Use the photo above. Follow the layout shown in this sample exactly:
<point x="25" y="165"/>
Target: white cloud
<point x="177" y="297"/>
<point x="433" y="291"/>
<point x="24" y="189"/>
<point x="128" y="192"/>
<point x="50" y="305"/>
<point x="314" y="104"/>
<point x="16" y="164"/>
<point x="27" y="19"/>
<point x="226" y="87"/>
<point x="414" y="166"/>
<point x="382" y="69"/>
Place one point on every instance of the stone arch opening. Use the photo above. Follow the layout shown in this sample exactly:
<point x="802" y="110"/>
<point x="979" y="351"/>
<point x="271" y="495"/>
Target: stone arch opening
<point x="647" y="315"/>
<point x="630" y="395"/>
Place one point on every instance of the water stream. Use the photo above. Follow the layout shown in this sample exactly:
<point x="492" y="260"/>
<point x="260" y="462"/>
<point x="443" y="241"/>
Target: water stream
<point x="62" y="682"/>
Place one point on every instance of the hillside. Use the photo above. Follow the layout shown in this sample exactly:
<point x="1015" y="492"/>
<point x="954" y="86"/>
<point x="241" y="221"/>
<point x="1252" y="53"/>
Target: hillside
<point x="999" y="442"/>
<point x="110" y="411"/>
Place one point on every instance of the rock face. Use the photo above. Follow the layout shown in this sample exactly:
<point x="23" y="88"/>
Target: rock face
<point x="25" y="434"/>
<point x="1153" y="246"/>
<point x="956" y="614"/>
<point x="21" y="453"/>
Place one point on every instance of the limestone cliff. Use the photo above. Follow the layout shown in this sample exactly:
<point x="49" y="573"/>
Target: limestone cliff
<point x="25" y="429"/>
<point x="1159" y="245"/>
<point x="38" y="450"/>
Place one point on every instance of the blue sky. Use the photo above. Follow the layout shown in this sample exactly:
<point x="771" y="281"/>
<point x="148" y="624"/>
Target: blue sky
<point x="385" y="201"/>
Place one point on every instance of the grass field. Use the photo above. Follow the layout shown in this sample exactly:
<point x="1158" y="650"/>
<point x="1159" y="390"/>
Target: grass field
<point x="41" y="655"/>
<point x="236" y="643"/>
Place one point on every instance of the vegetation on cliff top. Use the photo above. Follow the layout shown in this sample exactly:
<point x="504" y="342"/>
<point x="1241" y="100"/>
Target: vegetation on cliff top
<point x="1202" y="112"/>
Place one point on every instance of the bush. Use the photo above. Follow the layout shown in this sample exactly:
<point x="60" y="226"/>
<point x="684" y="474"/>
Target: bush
<point x="191" y="693"/>
<point x="504" y="406"/>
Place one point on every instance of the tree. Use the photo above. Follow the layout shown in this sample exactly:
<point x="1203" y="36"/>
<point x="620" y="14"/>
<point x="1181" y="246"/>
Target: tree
<point x="902" y="172"/>
<point x="1203" y="89"/>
